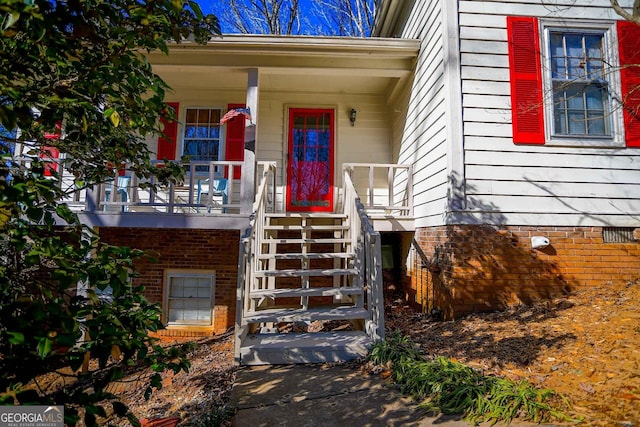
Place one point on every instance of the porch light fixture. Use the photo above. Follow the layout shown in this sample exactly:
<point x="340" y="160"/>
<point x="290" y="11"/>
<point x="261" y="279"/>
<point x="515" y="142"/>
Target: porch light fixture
<point x="352" y="116"/>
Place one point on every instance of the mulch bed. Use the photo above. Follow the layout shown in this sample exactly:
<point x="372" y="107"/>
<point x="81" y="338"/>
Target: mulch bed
<point x="585" y="346"/>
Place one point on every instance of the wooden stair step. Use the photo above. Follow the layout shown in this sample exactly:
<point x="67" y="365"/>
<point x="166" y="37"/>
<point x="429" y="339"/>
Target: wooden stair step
<point x="306" y="292"/>
<point x="304" y="241"/>
<point x="344" y="312"/>
<point x="319" y="347"/>
<point x="297" y="227"/>
<point x="301" y="273"/>
<point x="314" y="255"/>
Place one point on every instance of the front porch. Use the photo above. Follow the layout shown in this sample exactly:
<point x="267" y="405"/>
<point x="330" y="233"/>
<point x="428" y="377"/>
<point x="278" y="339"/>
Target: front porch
<point x="305" y="176"/>
<point x="293" y="268"/>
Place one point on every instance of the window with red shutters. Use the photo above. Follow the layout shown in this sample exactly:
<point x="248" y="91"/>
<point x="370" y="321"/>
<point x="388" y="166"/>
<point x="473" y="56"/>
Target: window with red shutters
<point x="581" y="79"/>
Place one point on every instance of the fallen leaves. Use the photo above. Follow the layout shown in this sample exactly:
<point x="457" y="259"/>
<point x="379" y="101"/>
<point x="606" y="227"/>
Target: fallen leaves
<point x="585" y="346"/>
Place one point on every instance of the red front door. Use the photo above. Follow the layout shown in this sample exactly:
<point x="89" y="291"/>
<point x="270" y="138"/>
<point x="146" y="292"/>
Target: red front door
<point x="310" y="166"/>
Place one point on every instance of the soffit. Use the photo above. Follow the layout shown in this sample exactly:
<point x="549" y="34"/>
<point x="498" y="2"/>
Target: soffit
<point x="347" y="65"/>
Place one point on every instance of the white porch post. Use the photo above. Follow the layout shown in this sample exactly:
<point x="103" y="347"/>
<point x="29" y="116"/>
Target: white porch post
<point x="248" y="185"/>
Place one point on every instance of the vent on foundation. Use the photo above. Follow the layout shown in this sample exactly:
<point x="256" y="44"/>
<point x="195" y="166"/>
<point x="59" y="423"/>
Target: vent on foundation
<point x="618" y="235"/>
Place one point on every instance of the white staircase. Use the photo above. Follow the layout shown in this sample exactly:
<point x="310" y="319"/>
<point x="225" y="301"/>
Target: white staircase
<point x="308" y="288"/>
<point x="306" y="272"/>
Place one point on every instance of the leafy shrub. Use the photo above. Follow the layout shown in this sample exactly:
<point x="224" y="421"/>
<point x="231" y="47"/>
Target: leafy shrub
<point x="447" y="386"/>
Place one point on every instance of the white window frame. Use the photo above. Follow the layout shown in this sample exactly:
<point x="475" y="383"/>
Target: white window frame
<point x="608" y="29"/>
<point x="183" y="131"/>
<point x="200" y="274"/>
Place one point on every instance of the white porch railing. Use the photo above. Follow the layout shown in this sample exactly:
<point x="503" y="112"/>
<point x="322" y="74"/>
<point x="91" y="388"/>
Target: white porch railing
<point x="385" y="189"/>
<point x="368" y="255"/>
<point x="73" y="195"/>
<point x="250" y="243"/>
<point x="208" y="187"/>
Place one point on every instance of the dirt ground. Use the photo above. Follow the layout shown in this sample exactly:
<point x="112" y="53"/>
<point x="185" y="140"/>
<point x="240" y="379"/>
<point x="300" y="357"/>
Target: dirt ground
<point x="585" y="346"/>
<point x="197" y="397"/>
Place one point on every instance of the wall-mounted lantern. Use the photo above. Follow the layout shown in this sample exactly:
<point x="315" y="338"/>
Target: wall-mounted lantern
<point x="352" y="116"/>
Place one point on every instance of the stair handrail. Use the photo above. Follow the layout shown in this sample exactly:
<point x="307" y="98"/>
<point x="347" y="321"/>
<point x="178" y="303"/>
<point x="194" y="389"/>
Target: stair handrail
<point x="367" y="246"/>
<point x="250" y="242"/>
<point x="398" y="200"/>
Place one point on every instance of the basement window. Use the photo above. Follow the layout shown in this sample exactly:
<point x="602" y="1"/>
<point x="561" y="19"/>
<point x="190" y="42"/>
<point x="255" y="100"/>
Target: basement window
<point x="189" y="298"/>
<point x="618" y="235"/>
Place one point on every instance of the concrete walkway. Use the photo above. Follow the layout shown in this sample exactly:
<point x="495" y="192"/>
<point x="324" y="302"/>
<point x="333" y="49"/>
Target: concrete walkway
<point x="318" y="395"/>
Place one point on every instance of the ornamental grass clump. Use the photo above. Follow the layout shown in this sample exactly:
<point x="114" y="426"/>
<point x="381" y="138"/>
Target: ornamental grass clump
<point x="449" y="387"/>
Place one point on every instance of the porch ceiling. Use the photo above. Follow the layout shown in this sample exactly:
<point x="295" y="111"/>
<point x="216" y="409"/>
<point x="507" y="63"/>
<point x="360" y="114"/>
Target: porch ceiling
<point x="236" y="79"/>
<point x="339" y="65"/>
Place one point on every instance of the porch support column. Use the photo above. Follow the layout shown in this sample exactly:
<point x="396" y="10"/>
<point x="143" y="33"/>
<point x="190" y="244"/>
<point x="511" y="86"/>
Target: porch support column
<point x="248" y="185"/>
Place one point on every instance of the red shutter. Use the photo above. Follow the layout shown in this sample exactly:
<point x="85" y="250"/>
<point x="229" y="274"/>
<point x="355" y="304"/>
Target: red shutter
<point x="167" y="145"/>
<point x="629" y="48"/>
<point x="49" y="154"/>
<point x="234" y="140"/>
<point x="526" y="80"/>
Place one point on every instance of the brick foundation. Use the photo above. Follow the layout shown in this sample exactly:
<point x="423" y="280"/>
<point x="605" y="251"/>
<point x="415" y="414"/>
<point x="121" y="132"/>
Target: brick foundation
<point x="475" y="268"/>
<point x="186" y="249"/>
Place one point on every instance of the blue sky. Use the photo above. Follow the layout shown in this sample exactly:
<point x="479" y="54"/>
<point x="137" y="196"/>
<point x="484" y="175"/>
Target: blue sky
<point x="215" y="7"/>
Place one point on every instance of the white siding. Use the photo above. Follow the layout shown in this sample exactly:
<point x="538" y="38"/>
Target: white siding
<point x="423" y="136"/>
<point x="537" y="185"/>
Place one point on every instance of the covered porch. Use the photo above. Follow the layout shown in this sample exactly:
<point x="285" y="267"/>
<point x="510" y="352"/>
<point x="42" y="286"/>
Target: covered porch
<point x="327" y="105"/>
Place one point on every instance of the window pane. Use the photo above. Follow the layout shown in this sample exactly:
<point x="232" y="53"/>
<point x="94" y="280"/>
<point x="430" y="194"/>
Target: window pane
<point x="203" y="131"/>
<point x="203" y="116"/>
<point x="311" y="122"/>
<point x="324" y="121"/>
<point x="595" y="97"/>
<point x="593" y="46"/>
<point x="596" y="124"/>
<point x="191" y="149"/>
<point x="574" y="97"/>
<point x="177" y="287"/>
<point x="557" y="56"/>
<point x="575" y="56"/>
<point x="577" y="122"/>
<point x="191" y="116"/>
<point x="559" y="123"/>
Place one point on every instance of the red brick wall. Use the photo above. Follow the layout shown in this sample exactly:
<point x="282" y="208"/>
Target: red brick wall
<point x="474" y="268"/>
<point x="176" y="249"/>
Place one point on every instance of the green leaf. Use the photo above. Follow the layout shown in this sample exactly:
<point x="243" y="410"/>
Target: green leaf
<point x="16" y="337"/>
<point x="9" y="19"/>
<point x="44" y="347"/>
